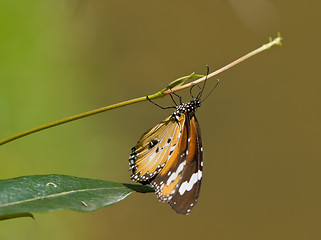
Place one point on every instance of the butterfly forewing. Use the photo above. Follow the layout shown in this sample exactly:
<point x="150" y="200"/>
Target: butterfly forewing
<point x="154" y="148"/>
<point x="166" y="182"/>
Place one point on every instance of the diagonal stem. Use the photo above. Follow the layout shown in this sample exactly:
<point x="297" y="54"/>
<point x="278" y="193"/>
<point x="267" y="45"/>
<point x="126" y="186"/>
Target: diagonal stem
<point x="276" y="41"/>
<point x="70" y="119"/>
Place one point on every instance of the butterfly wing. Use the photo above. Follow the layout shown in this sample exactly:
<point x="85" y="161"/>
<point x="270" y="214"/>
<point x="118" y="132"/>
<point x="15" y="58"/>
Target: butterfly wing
<point x="189" y="187"/>
<point x="166" y="182"/>
<point x="154" y="148"/>
<point x="179" y="181"/>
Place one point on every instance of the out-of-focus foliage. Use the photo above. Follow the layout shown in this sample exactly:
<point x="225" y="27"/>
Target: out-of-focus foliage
<point x="260" y="127"/>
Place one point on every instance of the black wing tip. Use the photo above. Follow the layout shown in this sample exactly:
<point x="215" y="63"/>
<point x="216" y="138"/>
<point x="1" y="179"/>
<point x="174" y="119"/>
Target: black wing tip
<point x="182" y="209"/>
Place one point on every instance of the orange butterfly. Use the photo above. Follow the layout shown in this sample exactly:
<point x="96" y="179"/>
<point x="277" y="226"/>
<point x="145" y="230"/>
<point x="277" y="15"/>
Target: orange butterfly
<point x="170" y="157"/>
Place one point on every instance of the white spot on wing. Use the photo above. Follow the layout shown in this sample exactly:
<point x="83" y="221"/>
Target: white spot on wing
<point x="172" y="148"/>
<point x="152" y="156"/>
<point x="188" y="185"/>
<point x="174" y="175"/>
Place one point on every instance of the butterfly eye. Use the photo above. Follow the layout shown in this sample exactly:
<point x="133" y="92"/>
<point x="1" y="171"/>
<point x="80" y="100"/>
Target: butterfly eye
<point x="152" y="143"/>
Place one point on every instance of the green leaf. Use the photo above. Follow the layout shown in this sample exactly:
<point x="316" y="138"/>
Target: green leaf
<point x="174" y="84"/>
<point x="180" y="81"/>
<point x="19" y="197"/>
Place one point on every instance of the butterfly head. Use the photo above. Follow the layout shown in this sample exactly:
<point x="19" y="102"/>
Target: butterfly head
<point x="188" y="108"/>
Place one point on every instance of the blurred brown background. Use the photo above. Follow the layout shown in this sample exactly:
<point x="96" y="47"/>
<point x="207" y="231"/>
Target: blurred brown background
<point x="261" y="126"/>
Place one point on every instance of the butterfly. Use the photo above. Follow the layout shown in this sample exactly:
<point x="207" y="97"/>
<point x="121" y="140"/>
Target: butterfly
<point x="169" y="156"/>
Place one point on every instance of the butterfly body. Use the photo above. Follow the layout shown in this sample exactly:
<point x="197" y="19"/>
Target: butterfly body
<point x="169" y="156"/>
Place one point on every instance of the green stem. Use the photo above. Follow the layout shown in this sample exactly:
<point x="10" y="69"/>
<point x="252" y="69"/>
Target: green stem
<point x="276" y="41"/>
<point x="73" y="118"/>
<point x="162" y="93"/>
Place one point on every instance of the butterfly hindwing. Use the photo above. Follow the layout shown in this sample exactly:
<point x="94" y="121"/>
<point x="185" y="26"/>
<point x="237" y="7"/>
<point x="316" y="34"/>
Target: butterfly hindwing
<point x="179" y="181"/>
<point x="188" y="189"/>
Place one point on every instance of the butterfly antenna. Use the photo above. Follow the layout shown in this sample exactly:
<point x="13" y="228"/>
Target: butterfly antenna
<point x="218" y="81"/>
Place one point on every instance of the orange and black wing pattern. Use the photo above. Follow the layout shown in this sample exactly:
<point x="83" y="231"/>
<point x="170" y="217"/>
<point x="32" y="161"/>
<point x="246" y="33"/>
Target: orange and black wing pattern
<point x="154" y="149"/>
<point x="179" y="182"/>
<point x="189" y="186"/>
<point x="170" y="158"/>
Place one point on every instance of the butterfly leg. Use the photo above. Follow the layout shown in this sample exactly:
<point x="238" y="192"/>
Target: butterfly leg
<point x="158" y="104"/>
<point x="190" y="91"/>
<point x="180" y="98"/>
<point x="201" y="89"/>
<point x="173" y="99"/>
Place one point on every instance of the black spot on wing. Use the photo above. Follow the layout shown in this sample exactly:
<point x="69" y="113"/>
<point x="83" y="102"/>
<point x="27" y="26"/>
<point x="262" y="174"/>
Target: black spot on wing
<point x="152" y="143"/>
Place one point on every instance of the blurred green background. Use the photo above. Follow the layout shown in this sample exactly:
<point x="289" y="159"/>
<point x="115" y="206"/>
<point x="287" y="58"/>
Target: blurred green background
<point x="261" y="126"/>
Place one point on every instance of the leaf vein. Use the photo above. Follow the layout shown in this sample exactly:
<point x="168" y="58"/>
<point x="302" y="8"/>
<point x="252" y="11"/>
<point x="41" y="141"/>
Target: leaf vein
<point x="56" y="195"/>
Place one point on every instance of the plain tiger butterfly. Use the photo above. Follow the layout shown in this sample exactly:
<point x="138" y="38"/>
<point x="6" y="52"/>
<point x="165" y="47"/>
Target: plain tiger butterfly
<point x="169" y="156"/>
